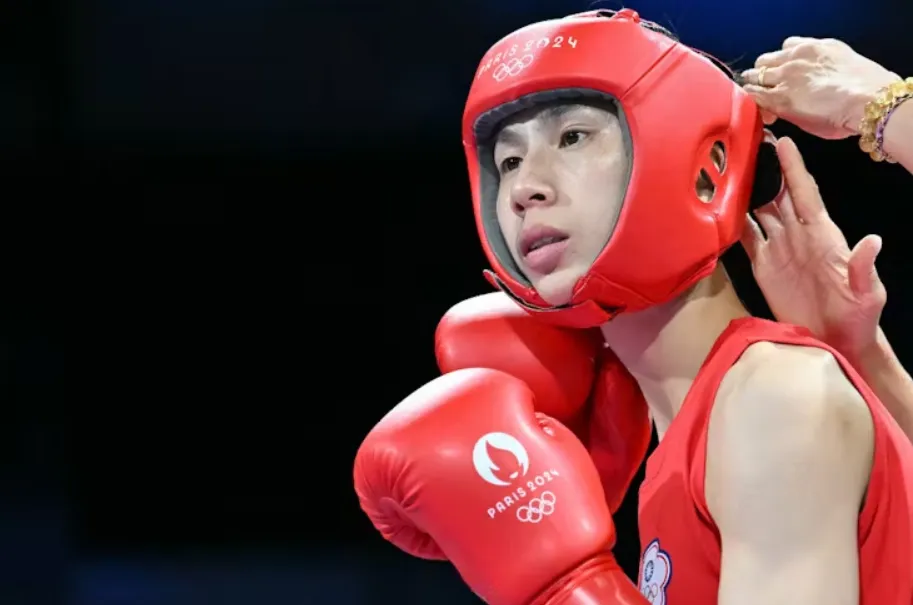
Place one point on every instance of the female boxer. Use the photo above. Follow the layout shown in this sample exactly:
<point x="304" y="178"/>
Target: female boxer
<point x="608" y="176"/>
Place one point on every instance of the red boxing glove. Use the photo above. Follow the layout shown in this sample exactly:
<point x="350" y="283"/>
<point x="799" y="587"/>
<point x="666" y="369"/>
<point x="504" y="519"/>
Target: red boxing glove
<point x="492" y="331"/>
<point x="619" y="429"/>
<point x="566" y="369"/>
<point x="464" y="469"/>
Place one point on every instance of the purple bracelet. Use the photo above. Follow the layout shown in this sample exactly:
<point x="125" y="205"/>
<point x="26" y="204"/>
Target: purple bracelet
<point x="882" y="123"/>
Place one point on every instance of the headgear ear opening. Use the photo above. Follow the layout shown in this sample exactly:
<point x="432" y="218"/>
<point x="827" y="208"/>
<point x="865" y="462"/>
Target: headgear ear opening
<point x="768" y="180"/>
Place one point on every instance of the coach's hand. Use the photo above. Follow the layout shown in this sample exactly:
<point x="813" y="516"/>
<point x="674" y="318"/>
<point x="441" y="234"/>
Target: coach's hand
<point x="805" y="268"/>
<point x="821" y="86"/>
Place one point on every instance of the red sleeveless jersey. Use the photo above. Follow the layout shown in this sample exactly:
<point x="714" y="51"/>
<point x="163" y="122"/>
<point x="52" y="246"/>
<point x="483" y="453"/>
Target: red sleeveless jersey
<point x="680" y="562"/>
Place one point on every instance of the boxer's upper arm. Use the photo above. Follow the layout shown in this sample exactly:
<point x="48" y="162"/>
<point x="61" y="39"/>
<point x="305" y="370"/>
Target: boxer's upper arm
<point x="788" y="459"/>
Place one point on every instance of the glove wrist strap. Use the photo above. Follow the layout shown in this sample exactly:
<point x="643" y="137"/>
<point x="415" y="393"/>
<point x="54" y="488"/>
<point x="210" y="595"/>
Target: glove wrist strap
<point x="599" y="580"/>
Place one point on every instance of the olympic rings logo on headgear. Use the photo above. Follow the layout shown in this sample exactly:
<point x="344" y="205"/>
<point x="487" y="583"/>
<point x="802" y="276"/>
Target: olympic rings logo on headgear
<point x="512" y="68"/>
<point x="537" y="509"/>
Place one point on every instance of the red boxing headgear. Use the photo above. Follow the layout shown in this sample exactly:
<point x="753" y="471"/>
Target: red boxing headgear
<point x="674" y="104"/>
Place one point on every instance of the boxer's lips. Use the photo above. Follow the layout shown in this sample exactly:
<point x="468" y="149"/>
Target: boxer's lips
<point x="533" y="238"/>
<point x="542" y="248"/>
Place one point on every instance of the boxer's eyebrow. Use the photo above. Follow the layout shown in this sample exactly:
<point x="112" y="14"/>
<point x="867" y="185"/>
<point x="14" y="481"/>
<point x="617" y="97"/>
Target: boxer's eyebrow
<point x="509" y="137"/>
<point x="557" y="112"/>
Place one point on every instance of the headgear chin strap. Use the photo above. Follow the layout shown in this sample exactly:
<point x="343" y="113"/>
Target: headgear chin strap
<point x="673" y="104"/>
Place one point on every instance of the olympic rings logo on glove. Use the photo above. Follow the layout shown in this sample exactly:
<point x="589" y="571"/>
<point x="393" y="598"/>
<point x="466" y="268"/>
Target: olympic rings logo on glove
<point x="537" y="509"/>
<point x="512" y="68"/>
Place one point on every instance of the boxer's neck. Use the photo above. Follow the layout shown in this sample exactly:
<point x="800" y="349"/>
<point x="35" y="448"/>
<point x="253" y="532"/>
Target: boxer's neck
<point x="664" y="347"/>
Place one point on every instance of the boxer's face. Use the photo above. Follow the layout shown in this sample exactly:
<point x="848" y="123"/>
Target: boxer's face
<point x="562" y="178"/>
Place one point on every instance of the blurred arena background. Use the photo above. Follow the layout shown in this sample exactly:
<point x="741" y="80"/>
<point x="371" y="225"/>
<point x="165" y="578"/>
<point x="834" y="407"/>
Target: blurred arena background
<point x="247" y="217"/>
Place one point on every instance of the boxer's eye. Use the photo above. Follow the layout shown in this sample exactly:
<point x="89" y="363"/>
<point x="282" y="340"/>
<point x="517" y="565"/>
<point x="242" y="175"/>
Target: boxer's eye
<point x="509" y="164"/>
<point x="572" y="137"/>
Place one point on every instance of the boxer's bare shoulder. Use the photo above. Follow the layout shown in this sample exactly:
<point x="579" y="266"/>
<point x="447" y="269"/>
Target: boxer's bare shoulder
<point x="786" y="399"/>
<point x="804" y="387"/>
<point x="787" y="423"/>
<point x="789" y="453"/>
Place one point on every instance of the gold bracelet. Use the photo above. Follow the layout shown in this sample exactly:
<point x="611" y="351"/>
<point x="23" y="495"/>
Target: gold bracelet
<point x="875" y="117"/>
